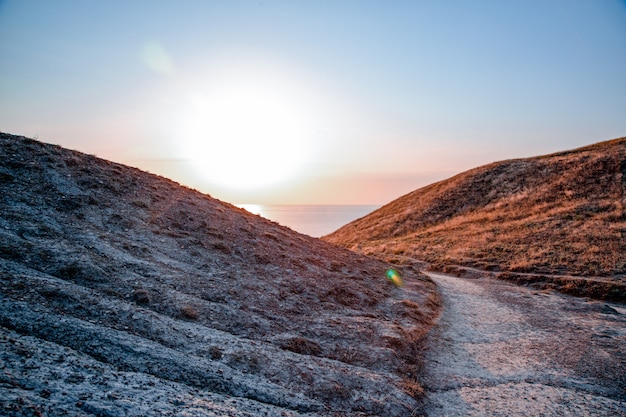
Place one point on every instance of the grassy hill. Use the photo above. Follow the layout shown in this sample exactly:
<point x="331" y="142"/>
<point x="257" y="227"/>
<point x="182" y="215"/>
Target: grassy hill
<point x="124" y="293"/>
<point x="559" y="214"/>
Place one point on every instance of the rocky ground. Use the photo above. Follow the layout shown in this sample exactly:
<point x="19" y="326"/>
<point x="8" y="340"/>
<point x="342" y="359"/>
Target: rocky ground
<point x="504" y="350"/>
<point x="125" y="294"/>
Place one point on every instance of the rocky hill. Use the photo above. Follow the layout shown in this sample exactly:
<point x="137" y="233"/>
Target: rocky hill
<point x="125" y="294"/>
<point x="546" y="219"/>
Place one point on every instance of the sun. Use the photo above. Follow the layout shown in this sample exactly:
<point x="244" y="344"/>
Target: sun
<point x="248" y="132"/>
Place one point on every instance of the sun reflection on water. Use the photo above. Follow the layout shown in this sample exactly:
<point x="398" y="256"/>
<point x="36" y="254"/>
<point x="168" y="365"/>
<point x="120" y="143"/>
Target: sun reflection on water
<point x="253" y="208"/>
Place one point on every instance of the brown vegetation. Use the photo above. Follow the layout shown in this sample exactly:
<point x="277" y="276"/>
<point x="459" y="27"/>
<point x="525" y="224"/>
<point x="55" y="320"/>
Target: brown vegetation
<point x="560" y="214"/>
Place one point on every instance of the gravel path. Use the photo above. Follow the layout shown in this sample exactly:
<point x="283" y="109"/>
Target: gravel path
<point x="504" y="350"/>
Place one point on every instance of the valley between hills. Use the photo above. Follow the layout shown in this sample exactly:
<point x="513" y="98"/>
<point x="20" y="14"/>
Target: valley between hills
<point x="126" y="294"/>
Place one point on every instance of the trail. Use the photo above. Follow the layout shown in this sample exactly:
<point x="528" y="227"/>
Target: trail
<point x="505" y="350"/>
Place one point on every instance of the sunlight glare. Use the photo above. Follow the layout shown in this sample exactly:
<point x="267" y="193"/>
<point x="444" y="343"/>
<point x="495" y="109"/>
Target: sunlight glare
<point x="248" y="132"/>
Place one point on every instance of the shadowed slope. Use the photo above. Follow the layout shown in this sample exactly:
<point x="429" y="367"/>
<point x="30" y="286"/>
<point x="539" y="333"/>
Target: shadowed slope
<point x="555" y="214"/>
<point x="124" y="293"/>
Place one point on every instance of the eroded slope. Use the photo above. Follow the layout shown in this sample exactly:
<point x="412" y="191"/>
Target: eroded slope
<point x="123" y="293"/>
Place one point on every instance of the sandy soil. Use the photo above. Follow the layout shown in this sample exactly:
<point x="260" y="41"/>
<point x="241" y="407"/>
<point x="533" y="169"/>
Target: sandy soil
<point x="504" y="350"/>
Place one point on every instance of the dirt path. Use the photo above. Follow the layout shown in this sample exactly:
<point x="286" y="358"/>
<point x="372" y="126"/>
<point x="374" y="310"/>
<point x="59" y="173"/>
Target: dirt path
<point x="504" y="350"/>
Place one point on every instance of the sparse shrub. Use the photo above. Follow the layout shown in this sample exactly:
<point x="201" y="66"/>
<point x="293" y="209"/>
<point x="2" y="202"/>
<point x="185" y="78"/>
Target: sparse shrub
<point x="189" y="312"/>
<point x="412" y="388"/>
<point x="262" y="258"/>
<point x="349" y="355"/>
<point x="12" y="250"/>
<point x="399" y="250"/>
<point x="314" y="261"/>
<point x="72" y="161"/>
<point x="6" y="177"/>
<point x="395" y="343"/>
<point x="222" y="247"/>
<point x="332" y="392"/>
<point x="302" y="346"/>
<point x="343" y="296"/>
<point x="412" y="309"/>
<point x="336" y="266"/>
<point x="245" y="362"/>
<point x="70" y="271"/>
<point x="215" y="353"/>
<point x="270" y="236"/>
<point x="141" y="296"/>
<point x="177" y="225"/>
<point x="80" y="270"/>
<point x="50" y="292"/>
<point x="140" y="204"/>
<point x="116" y="220"/>
<point x="112" y="292"/>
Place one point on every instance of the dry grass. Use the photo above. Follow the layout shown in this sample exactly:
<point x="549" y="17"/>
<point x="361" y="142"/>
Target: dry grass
<point x="560" y="214"/>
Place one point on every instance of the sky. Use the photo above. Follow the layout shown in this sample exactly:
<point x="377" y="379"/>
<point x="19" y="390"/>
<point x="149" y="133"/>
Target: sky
<point x="313" y="102"/>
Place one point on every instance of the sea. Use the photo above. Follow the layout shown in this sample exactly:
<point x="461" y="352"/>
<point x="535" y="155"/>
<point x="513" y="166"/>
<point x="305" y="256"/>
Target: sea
<point x="312" y="220"/>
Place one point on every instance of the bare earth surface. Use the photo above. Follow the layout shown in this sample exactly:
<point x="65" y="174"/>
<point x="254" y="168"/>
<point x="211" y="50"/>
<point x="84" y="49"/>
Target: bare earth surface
<point x="504" y="350"/>
<point x="125" y="294"/>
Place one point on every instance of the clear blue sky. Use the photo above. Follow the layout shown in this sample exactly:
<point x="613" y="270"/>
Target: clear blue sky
<point x="313" y="101"/>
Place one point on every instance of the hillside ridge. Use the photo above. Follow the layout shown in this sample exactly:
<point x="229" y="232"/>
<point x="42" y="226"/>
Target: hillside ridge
<point x="124" y="293"/>
<point x="557" y="214"/>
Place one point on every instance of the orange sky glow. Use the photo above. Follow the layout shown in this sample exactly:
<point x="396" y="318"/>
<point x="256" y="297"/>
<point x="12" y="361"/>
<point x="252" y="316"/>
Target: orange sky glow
<point x="312" y="102"/>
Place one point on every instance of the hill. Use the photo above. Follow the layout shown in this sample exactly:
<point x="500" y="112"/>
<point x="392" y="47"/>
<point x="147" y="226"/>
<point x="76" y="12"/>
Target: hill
<point x="545" y="219"/>
<point x="124" y="293"/>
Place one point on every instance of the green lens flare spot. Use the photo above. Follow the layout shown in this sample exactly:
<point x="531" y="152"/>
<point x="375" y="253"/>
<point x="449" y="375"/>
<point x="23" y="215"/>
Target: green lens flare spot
<point x="394" y="276"/>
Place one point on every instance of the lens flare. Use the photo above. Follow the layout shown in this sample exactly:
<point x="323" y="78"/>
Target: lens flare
<point x="394" y="276"/>
<point x="157" y="59"/>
